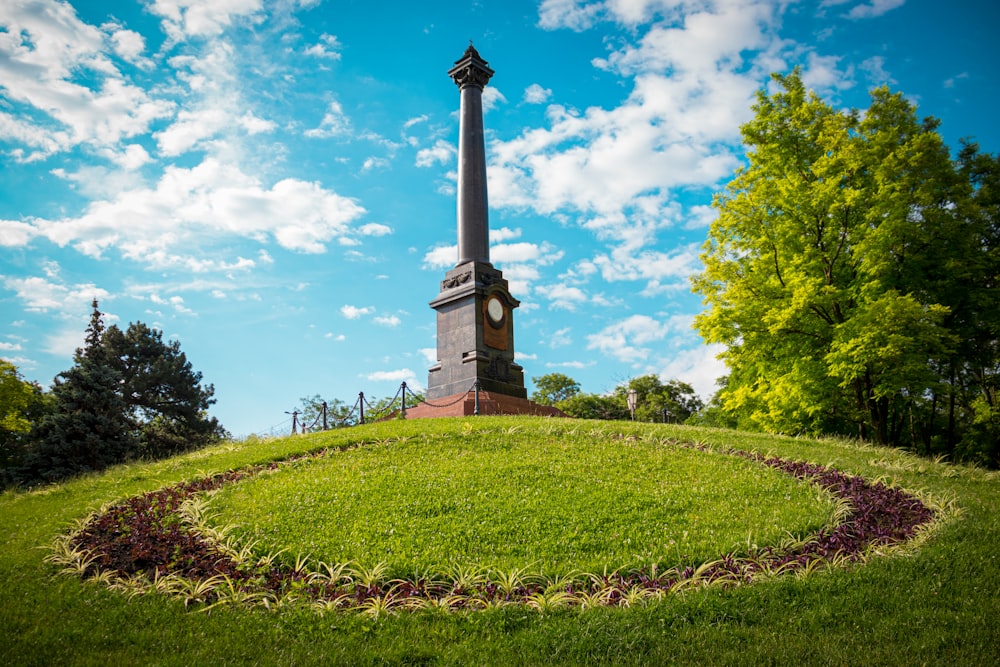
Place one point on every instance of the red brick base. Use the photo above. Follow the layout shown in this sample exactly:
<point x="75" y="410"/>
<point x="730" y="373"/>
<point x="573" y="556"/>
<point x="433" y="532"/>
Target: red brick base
<point x="463" y="405"/>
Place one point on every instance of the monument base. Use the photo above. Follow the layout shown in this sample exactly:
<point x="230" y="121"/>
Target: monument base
<point x="490" y="403"/>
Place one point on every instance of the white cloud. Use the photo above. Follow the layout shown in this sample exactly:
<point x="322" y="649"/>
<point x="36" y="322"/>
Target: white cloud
<point x="388" y="321"/>
<point x="191" y="208"/>
<point x="45" y="54"/>
<point x="662" y="271"/>
<point x="573" y="14"/>
<point x="334" y="123"/>
<point x="822" y="74"/>
<point x="329" y="47"/>
<point x="874" y="8"/>
<point x="442" y="257"/>
<point x="42" y="295"/>
<point x="217" y="107"/>
<point x="429" y="354"/>
<point x="65" y="342"/>
<point x="374" y="163"/>
<point x="492" y="98"/>
<point x="564" y="296"/>
<point x="416" y="120"/>
<point x="129" y="46"/>
<point x="354" y="313"/>
<point x="441" y="153"/>
<point x="700" y="216"/>
<point x="874" y="69"/>
<point x="504" y="234"/>
<point x="698" y="366"/>
<point x="14" y="233"/>
<point x="401" y="375"/>
<point x="625" y="340"/>
<point x="577" y="365"/>
<point x="561" y="338"/>
<point x="535" y="94"/>
<point x="197" y="18"/>
<point x="190" y="128"/>
<point x="374" y="229"/>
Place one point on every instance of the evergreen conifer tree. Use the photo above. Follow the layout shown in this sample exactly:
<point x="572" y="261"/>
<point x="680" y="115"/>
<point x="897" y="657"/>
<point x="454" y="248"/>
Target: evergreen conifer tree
<point x="87" y="429"/>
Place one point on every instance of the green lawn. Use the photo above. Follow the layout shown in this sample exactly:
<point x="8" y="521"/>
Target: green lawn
<point x="936" y="605"/>
<point x="573" y="499"/>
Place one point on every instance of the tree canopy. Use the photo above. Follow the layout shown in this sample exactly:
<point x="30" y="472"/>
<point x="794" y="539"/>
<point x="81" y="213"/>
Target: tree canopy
<point x="554" y="387"/>
<point x="673" y="401"/>
<point x="847" y="272"/>
<point x="128" y="395"/>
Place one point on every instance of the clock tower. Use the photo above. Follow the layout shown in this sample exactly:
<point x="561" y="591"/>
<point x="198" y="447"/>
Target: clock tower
<point x="475" y="309"/>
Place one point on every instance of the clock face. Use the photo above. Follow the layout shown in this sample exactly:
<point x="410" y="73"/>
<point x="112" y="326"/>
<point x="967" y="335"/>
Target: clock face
<point x="494" y="308"/>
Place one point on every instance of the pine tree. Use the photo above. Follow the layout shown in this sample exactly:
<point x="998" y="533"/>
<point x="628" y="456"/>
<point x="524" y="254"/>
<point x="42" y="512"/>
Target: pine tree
<point x="165" y="403"/>
<point x="87" y="429"/>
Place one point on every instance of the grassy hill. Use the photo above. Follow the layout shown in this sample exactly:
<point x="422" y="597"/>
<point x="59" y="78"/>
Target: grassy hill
<point x="553" y="498"/>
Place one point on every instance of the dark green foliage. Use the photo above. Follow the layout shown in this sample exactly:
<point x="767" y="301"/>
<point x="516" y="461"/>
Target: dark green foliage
<point x="673" y="402"/>
<point x="87" y="428"/>
<point x="165" y="404"/>
<point x="594" y="406"/>
<point x="128" y="395"/>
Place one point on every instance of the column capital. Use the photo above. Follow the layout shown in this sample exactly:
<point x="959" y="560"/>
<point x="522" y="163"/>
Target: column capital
<point x="471" y="70"/>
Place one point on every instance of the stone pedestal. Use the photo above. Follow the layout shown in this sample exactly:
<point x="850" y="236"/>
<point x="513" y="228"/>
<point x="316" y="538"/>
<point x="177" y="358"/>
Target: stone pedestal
<point x="475" y="334"/>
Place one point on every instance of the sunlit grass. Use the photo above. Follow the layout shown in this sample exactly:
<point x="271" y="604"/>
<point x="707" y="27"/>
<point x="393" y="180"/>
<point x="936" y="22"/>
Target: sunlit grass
<point x="508" y="499"/>
<point x="935" y="603"/>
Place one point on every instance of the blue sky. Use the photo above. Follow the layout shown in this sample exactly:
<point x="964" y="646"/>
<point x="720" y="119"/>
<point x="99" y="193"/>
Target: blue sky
<point x="272" y="183"/>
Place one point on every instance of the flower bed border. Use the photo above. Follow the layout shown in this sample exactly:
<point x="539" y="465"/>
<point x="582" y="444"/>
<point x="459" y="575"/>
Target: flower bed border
<point x="158" y="542"/>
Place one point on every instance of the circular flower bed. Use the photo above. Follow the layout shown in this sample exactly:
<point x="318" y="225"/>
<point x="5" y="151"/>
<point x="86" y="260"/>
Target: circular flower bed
<point x="159" y="542"/>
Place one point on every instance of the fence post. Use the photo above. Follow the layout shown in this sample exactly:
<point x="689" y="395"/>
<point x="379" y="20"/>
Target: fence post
<point x="475" y="409"/>
<point x="403" y="389"/>
<point x="361" y="404"/>
<point x="325" y="423"/>
<point x="295" y="420"/>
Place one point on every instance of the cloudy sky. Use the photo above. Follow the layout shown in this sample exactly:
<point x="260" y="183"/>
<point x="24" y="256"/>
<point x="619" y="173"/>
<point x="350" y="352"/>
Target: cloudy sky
<point x="272" y="182"/>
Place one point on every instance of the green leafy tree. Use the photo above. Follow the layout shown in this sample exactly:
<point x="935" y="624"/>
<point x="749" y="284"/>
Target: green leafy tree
<point x="166" y="404"/>
<point x="673" y="401"/>
<point x="827" y="270"/>
<point x="22" y="404"/>
<point x="338" y="413"/>
<point x="552" y="388"/>
<point x="594" y="406"/>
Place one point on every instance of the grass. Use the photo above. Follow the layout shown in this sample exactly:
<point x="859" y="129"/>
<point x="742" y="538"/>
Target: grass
<point x="937" y="604"/>
<point x="567" y="501"/>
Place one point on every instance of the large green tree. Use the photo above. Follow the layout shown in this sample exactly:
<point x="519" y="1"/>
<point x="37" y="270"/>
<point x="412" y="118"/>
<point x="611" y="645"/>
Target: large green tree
<point x="166" y="404"/>
<point x="128" y="395"/>
<point x="554" y="387"/>
<point x="87" y="428"/>
<point x="834" y="272"/>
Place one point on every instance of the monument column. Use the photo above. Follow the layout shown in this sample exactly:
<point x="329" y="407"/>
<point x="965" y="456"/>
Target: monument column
<point x="475" y="321"/>
<point x="476" y="371"/>
<point x="471" y="73"/>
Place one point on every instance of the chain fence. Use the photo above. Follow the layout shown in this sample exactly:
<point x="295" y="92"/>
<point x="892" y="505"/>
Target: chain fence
<point x="365" y="411"/>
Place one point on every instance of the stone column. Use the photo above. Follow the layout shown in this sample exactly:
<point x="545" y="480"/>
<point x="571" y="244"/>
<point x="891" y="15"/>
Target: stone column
<point x="471" y="73"/>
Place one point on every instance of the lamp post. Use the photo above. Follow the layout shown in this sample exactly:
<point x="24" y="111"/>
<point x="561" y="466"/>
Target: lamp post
<point x="632" y="398"/>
